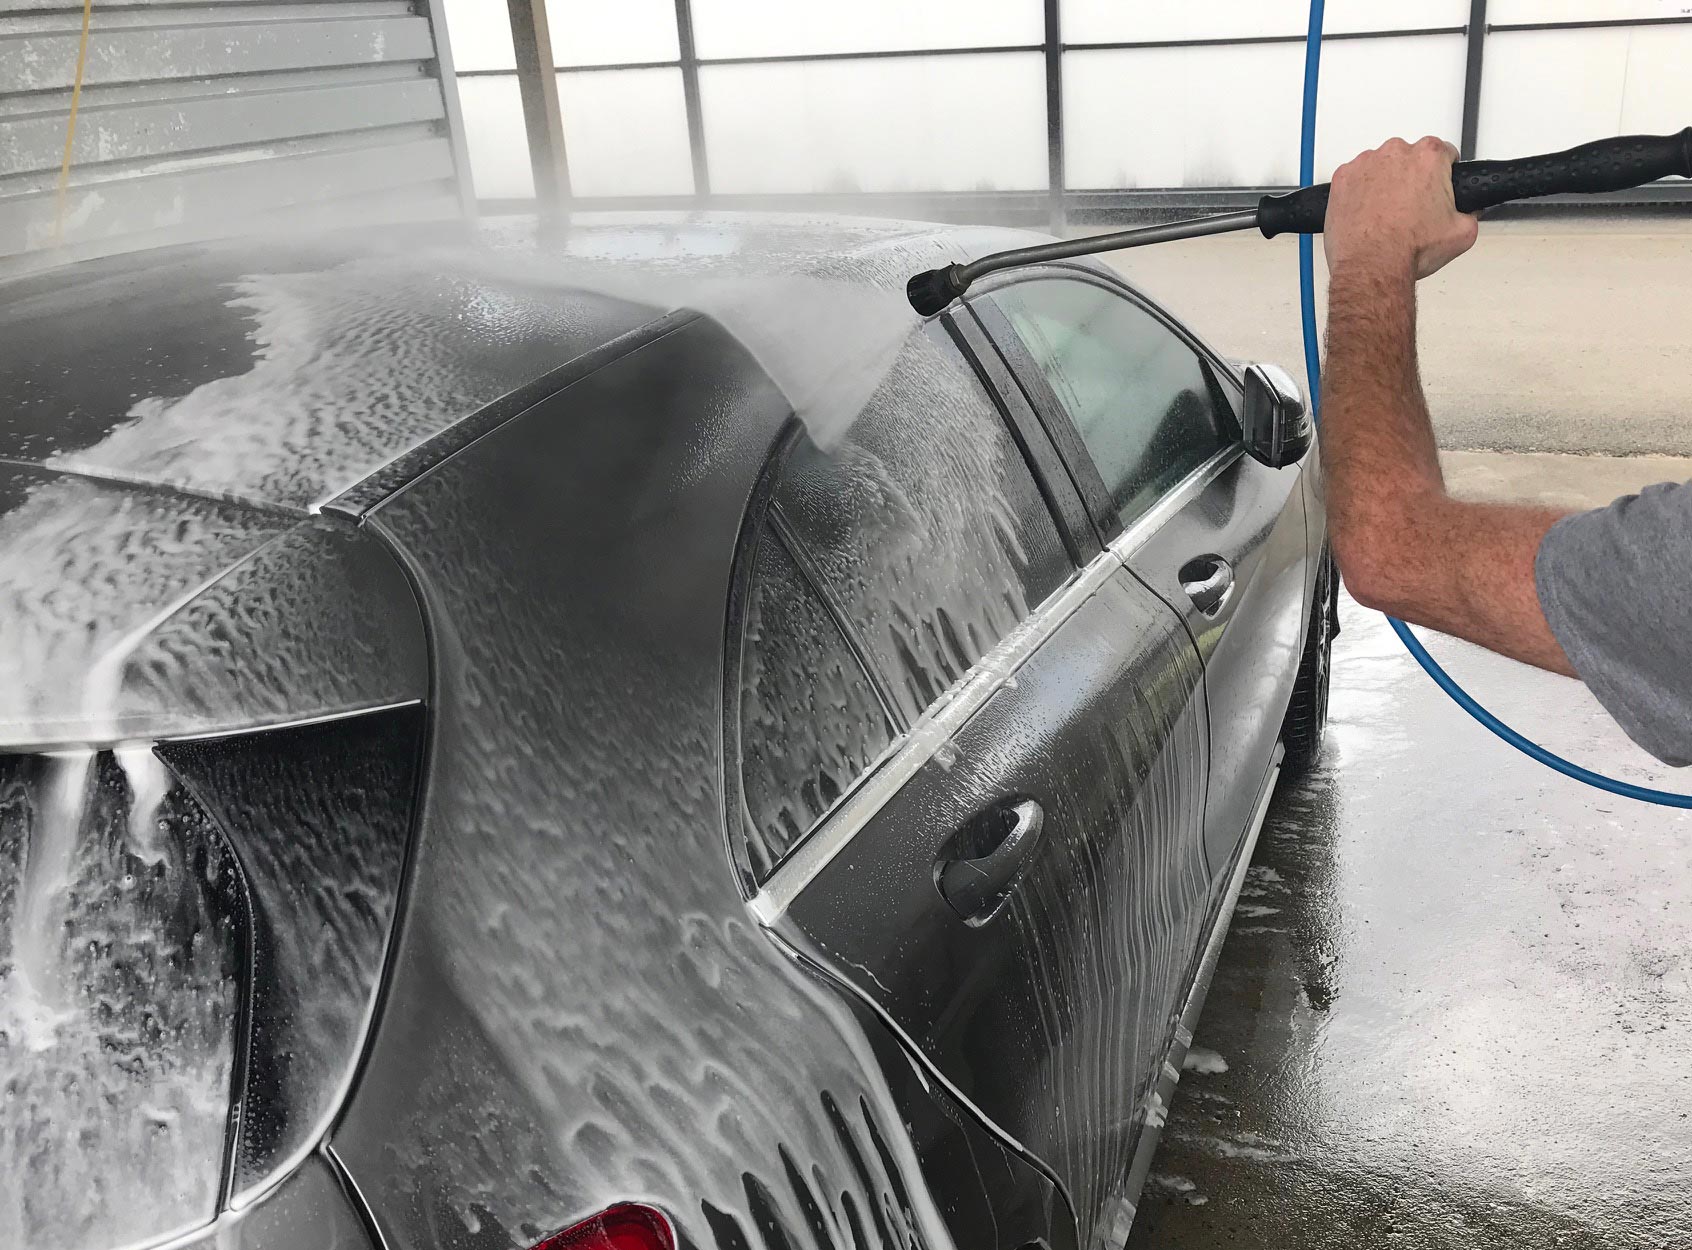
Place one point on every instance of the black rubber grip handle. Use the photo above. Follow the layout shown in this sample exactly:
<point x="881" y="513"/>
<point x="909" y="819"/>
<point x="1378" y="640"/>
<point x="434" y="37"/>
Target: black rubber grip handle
<point x="1604" y="165"/>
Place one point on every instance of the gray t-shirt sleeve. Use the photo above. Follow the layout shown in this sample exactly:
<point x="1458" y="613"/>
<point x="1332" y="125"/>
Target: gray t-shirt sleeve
<point x="1616" y="588"/>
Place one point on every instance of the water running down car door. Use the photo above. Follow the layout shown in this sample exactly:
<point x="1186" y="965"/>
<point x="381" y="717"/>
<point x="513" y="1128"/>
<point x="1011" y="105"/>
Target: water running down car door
<point x="1017" y="880"/>
<point x="1219" y="536"/>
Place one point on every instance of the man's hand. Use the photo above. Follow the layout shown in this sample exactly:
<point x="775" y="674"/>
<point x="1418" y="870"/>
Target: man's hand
<point x="1392" y="210"/>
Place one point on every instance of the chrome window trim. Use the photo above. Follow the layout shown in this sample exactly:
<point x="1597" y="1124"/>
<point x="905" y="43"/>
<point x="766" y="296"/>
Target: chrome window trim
<point x="931" y="731"/>
<point x="1130" y="540"/>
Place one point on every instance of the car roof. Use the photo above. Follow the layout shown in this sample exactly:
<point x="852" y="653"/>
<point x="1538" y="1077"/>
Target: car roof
<point x="283" y="372"/>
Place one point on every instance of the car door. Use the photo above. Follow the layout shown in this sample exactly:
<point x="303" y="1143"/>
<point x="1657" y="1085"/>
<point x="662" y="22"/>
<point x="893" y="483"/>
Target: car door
<point x="971" y="757"/>
<point x="1149" y="419"/>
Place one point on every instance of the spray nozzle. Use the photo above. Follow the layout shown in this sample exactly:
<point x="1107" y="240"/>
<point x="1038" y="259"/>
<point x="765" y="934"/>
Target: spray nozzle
<point x="932" y="289"/>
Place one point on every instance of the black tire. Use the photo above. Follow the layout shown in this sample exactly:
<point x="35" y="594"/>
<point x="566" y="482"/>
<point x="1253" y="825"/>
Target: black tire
<point x="1307" y="714"/>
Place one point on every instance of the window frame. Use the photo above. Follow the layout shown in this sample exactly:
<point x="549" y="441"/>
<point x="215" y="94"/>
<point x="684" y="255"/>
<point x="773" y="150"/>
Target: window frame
<point x="1228" y="388"/>
<point x="763" y="520"/>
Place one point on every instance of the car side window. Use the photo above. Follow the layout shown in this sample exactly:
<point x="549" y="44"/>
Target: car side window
<point x="924" y="522"/>
<point x="1145" y="404"/>
<point x="900" y="544"/>
<point x="811" y="723"/>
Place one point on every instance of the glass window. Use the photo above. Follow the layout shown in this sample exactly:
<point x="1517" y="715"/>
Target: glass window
<point x="898" y="551"/>
<point x="965" y="123"/>
<point x="737" y="28"/>
<point x="1144" y="403"/>
<point x="924" y="523"/>
<point x="644" y="151"/>
<point x="810" y="722"/>
<point x="1205" y="137"/>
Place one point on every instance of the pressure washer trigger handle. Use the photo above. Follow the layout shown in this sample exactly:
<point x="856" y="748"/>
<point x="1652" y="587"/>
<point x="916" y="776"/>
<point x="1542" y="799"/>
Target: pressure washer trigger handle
<point x="1603" y="165"/>
<point x="1297" y="212"/>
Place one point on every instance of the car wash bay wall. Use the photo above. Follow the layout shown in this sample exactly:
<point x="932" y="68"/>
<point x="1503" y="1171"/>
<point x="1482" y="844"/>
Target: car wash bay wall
<point x="201" y="118"/>
<point x="1020" y="103"/>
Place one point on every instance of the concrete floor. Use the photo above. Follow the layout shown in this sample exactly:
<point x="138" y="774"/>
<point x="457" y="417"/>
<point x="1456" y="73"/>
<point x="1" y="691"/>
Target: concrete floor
<point x="1455" y="1008"/>
<point x="1563" y="335"/>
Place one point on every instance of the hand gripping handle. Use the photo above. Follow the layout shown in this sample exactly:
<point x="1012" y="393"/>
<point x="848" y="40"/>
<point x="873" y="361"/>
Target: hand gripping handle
<point x="1605" y="165"/>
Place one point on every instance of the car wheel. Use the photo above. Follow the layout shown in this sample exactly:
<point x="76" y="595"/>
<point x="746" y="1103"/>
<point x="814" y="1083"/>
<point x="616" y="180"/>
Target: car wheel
<point x="1307" y="714"/>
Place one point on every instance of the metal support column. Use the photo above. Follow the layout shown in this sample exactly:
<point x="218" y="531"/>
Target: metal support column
<point x="537" y="82"/>
<point x="1054" y="118"/>
<point x="434" y="10"/>
<point x="689" y="58"/>
<point x="1472" y="79"/>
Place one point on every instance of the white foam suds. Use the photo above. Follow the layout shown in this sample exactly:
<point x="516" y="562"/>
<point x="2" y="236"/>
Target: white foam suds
<point x="1204" y="1062"/>
<point x="38" y="988"/>
<point x="828" y="343"/>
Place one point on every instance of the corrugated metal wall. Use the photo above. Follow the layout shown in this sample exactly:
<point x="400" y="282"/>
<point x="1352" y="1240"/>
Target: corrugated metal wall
<point x="200" y="119"/>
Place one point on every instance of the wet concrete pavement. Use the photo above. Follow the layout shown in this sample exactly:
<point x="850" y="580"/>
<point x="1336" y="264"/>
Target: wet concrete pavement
<point x="1455" y="1009"/>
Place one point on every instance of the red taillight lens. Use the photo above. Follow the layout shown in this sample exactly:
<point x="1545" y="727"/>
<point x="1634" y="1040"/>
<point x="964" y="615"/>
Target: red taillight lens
<point x="625" y="1227"/>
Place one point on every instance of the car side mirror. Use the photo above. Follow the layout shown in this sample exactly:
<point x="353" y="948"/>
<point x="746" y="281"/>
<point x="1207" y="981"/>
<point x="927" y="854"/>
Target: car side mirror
<point x="1278" y="428"/>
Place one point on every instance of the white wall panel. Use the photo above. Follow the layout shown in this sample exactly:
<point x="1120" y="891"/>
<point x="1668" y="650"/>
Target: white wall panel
<point x="1545" y="90"/>
<point x="943" y="123"/>
<point x="731" y="28"/>
<point x="593" y="32"/>
<point x="1377" y="89"/>
<point x="1657" y="97"/>
<point x="499" y="145"/>
<point x="584" y="32"/>
<point x="480" y="31"/>
<point x="1508" y="12"/>
<point x="625" y="132"/>
<point x="1130" y="21"/>
<point x="1229" y="116"/>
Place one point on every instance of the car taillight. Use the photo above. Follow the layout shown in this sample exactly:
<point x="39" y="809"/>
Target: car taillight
<point x="625" y="1227"/>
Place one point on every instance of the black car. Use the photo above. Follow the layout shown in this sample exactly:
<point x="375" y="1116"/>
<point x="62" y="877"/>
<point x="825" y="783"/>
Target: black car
<point x="629" y="740"/>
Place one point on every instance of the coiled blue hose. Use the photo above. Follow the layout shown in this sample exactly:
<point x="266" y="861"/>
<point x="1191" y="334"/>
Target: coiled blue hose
<point x="1313" y="367"/>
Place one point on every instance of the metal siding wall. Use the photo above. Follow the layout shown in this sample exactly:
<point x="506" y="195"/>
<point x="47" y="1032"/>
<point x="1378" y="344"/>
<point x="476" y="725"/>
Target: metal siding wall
<point x="219" y="117"/>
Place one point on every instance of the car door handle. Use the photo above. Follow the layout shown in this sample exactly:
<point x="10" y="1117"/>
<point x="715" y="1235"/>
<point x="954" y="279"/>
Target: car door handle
<point x="1208" y="581"/>
<point x="999" y="846"/>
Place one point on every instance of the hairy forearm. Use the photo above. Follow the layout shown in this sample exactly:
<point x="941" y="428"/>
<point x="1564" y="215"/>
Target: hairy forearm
<point x="1379" y="455"/>
<point x="1402" y="543"/>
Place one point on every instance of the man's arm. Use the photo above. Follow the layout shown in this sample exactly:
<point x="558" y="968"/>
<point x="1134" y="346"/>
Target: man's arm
<point x="1402" y="543"/>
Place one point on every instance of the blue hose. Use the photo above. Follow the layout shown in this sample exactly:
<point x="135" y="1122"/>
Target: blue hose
<point x="1313" y="368"/>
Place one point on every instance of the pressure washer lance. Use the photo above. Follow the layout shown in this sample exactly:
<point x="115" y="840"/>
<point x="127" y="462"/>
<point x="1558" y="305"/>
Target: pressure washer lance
<point x="1606" y="165"/>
